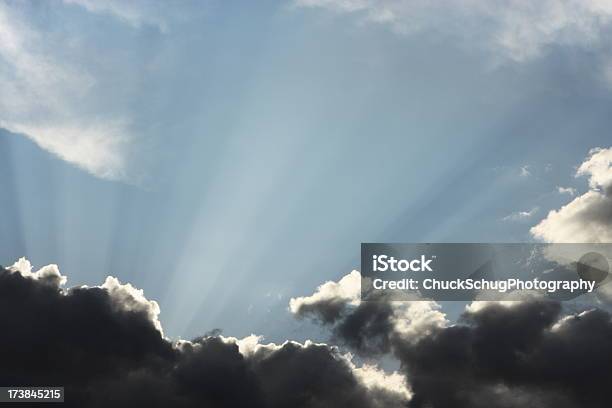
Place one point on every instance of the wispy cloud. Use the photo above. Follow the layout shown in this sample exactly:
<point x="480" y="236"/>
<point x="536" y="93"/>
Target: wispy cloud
<point x="521" y="215"/>
<point x="524" y="172"/>
<point x="44" y="97"/>
<point x="134" y="12"/>
<point x="72" y="93"/>
<point x="517" y="30"/>
<point x="566" y="190"/>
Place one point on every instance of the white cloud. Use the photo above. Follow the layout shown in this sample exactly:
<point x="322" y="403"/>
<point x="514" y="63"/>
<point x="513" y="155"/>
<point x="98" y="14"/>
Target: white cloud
<point x="346" y="290"/>
<point x="374" y="379"/>
<point x="521" y="215"/>
<point x="525" y="171"/>
<point x="588" y="217"/>
<point x="585" y="219"/>
<point x="517" y="299"/>
<point x="127" y="298"/>
<point x="49" y="273"/>
<point x="44" y="97"/>
<point x="411" y="320"/>
<point x="516" y="29"/>
<point x="95" y="147"/>
<point x="598" y="167"/>
<point x="566" y="190"/>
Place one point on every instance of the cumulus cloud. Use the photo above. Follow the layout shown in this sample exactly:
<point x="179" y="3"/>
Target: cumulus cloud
<point x="127" y="298"/>
<point x="508" y="356"/>
<point x="104" y="345"/>
<point x="517" y="30"/>
<point x="368" y="327"/>
<point x="502" y="354"/>
<point x="315" y="374"/>
<point x="49" y="274"/>
<point x="598" y="167"/>
<point x="588" y="217"/>
<point x="330" y="299"/>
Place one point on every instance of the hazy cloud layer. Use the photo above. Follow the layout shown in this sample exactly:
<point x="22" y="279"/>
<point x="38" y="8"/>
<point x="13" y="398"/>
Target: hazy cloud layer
<point x="78" y="91"/>
<point x="588" y="217"/>
<point x="134" y="12"/>
<point x="512" y="29"/>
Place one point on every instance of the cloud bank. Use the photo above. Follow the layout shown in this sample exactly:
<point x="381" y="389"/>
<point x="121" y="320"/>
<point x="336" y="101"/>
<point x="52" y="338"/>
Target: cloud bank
<point x="105" y="345"/>
<point x="501" y="354"/>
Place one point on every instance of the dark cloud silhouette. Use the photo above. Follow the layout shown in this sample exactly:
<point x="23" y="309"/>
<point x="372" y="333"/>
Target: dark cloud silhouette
<point x="366" y="327"/>
<point x="370" y="327"/>
<point x="105" y="346"/>
<point x="512" y="354"/>
<point x="529" y="348"/>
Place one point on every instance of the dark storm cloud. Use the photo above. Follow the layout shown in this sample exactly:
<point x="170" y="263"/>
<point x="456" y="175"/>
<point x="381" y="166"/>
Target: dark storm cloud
<point x="297" y="376"/>
<point x="528" y="347"/>
<point x="368" y="329"/>
<point x="104" y="346"/>
<point x="365" y="327"/>
<point x="512" y="354"/>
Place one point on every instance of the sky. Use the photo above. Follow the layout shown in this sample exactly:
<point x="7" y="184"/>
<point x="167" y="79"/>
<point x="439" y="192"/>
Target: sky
<point x="227" y="156"/>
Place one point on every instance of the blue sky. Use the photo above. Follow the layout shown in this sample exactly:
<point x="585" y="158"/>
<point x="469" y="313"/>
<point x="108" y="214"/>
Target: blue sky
<point x="226" y="157"/>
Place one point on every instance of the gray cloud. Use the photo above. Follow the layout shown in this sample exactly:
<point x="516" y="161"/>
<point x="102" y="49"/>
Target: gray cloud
<point x="502" y="354"/>
<point x="104" y="344"/>
<point x="370" y="327"/>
